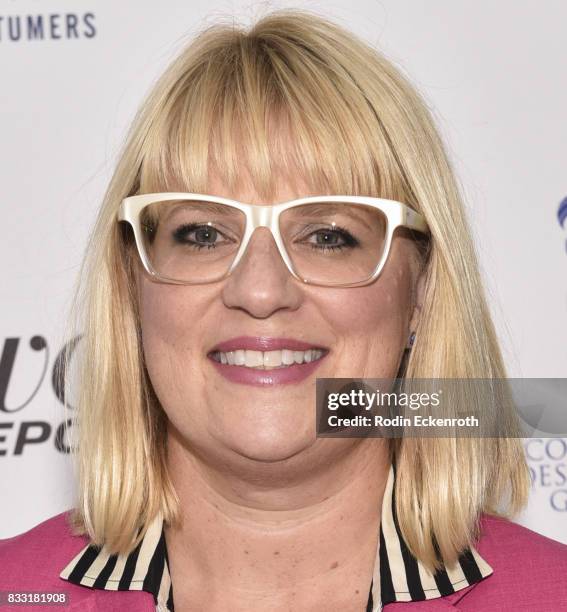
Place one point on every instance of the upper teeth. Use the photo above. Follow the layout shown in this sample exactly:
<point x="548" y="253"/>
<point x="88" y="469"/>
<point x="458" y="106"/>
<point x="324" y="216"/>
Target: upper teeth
<point x="266" y="359"/>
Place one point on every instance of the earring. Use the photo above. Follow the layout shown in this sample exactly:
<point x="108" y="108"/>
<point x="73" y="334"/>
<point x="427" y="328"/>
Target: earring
<point x="411" y="339"/>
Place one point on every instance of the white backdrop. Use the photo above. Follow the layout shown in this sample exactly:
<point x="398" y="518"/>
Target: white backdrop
<point x="72" y="74"/>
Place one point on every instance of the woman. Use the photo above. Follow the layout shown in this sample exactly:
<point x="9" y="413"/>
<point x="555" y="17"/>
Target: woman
<point x="246" y="247"/>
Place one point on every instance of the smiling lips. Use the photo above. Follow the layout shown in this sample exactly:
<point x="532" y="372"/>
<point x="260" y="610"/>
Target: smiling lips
<point x="266" y="360"/>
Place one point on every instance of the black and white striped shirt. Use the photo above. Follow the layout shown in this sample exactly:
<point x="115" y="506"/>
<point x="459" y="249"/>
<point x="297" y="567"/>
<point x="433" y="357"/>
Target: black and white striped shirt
<point x="397" y="576"/>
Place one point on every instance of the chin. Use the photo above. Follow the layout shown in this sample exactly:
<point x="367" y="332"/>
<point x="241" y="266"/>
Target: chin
<point x="270" y="449"/>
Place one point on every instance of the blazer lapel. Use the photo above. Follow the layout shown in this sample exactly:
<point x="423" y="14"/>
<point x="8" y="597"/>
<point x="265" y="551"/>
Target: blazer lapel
<point x="443" y="604"/>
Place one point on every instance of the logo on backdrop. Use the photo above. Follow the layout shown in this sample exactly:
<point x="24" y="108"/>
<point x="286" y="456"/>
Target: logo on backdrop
<point x="17" y="433"/>
<point x="547" y="459"/>
<point x="54" y="26"/>
<point x="562" y="217"/>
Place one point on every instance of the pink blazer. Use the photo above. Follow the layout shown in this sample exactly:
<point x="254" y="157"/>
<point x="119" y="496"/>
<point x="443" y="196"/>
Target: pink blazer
<point x="530" y="573"/>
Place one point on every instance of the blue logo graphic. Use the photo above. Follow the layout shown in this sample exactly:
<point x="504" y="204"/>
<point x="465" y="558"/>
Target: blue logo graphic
<point x="562" y="216"/>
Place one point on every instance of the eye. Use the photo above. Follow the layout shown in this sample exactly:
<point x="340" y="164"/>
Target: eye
<point x="331" y="238"/>
<point x="198" y="235"/>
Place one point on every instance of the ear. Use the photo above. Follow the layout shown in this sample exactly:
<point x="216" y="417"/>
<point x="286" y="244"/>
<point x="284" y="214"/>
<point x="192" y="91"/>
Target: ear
<point x="418" y="302"/>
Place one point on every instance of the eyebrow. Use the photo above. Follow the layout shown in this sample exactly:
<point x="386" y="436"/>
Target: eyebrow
<point x="303" y="211"/>
<point x="214" y="207"/>
<point x="325" y="208"/>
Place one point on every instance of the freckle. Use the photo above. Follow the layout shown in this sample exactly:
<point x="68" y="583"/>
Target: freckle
<point x="356" y="591"/>
<point x="276" y="552"/>
<point x="245" y="552"/>
<point x="334" y="565"/>
<point x="341" y="517"/>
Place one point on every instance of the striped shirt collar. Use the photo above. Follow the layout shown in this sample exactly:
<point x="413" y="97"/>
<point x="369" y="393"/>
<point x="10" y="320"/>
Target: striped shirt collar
<point x="398" y="576"/>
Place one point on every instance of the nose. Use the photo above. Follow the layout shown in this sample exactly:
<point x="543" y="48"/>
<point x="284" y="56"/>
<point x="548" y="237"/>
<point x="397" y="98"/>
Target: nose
<point x="261" y="284"/>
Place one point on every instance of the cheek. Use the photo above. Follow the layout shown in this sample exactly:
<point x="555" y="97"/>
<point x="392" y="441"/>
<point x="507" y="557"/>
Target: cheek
<point x="365" y="309"/>
<point x="370" y="322"/>
<point x="169" y="317"/>
<point x="160" y="310"/>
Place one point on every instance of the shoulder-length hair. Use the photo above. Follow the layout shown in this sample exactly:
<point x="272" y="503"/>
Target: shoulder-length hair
<point x="293" y="93"/>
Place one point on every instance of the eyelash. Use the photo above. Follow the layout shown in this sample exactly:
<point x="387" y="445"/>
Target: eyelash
<point x="183" y="229"/>
<point x="350" y="241"/>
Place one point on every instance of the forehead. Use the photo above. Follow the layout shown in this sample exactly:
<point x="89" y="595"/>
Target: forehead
<point x="284" y="187"/>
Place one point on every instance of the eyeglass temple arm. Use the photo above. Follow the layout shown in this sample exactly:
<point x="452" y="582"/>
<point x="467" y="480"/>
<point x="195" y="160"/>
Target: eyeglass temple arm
<point x="414" y="220"/>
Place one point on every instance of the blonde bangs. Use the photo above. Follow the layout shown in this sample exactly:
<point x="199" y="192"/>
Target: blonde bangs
<point x="264" y="110"/>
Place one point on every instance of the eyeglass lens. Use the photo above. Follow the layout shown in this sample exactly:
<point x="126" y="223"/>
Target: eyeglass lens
<point x="327" y="242"/>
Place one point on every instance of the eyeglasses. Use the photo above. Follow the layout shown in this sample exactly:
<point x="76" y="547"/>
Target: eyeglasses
<point x="332" y="241"/>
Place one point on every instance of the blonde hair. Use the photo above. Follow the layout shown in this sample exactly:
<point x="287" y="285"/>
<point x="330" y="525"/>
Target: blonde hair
<point x="293" y="93"/>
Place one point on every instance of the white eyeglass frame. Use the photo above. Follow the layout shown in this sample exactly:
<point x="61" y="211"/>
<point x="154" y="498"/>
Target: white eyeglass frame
<point x="259" y="215"/>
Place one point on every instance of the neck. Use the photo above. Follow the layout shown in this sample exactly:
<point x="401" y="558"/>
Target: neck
<point x="285" y="530"/>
